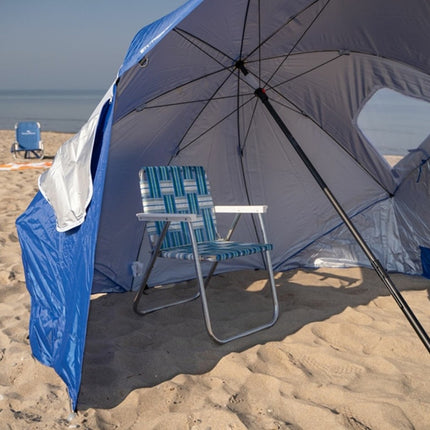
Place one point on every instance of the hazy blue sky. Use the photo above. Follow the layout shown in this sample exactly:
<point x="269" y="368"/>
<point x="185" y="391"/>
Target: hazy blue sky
<point x="70" y="44"/>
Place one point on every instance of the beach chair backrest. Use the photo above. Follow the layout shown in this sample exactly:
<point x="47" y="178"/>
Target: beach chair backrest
<point x="28" y="135"/>
<point x="178" y="189"/>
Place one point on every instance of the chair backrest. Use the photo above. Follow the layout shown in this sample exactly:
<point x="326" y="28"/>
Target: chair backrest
<point x="28" y="134"/>
<point x="178" y="189"/>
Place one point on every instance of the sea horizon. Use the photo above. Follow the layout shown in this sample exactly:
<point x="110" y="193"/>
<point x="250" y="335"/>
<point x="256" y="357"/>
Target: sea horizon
<point x="60" y="110"/>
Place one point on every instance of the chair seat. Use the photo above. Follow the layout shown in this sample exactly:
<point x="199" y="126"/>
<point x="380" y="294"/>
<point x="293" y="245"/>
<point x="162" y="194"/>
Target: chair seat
<point x="216" y="251"/>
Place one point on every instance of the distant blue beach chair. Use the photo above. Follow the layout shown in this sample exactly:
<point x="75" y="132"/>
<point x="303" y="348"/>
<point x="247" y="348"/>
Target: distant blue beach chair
<point x="28" y="143"/>
<point x="180" y="220"/>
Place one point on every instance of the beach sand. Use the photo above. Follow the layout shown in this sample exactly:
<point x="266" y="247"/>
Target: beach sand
<point x="342" y="355"/>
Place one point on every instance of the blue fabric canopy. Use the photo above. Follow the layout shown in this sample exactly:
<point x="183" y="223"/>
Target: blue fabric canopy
<point x="181" y="97"/>
<point x="59" y="271"/>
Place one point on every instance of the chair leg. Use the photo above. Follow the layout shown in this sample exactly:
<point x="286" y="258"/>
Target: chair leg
<point x="140" y="293"/>
<point x="272" y="288"/>
<point x="228" y="237"/>
<point x="148" y="271"/>
<point x="163" y="306"/>
<point x="205" y="306"/>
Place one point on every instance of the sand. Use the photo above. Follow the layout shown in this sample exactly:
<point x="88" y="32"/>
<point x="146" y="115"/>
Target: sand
<point x="342" y="355"/>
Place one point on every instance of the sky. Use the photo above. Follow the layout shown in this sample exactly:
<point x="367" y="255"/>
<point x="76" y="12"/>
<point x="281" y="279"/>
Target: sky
<point x="70" y="44"/>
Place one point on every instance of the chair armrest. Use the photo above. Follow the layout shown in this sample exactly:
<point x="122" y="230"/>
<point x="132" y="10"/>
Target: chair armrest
<point x="255" y="209"/>
<point x="166" y="217"/>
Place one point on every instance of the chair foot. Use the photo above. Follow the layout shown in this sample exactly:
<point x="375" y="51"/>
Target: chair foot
<point x="244" y="333"/>
<point x="140" y="311"/>
<point x="206" y="313"/>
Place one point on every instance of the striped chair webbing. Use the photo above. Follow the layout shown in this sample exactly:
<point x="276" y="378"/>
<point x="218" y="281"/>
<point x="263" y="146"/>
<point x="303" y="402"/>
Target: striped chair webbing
<point x="178" y="189"/>
<point x="217" y="250"/>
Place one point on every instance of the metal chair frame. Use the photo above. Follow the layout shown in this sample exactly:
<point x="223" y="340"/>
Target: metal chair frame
<point x="189" y="218"/>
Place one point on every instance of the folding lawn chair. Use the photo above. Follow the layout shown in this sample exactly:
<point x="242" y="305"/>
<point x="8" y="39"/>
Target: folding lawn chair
<point x="28" y="143"/>
<point x="180" y="221"/>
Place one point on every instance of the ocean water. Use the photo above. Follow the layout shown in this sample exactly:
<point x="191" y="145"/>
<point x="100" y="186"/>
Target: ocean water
<point x="396" y="124"/>
<point x="55" y="110"/>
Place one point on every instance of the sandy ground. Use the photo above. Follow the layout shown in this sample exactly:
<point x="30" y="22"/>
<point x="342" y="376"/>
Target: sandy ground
<point x="342" y="355"/>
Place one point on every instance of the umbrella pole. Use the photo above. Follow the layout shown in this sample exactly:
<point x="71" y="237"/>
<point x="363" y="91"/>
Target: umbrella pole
<point x="383" y="275"/>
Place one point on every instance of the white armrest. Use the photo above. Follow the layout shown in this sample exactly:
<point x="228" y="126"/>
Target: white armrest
<point x="241" y="209"/>
<point x="166" y="217"/>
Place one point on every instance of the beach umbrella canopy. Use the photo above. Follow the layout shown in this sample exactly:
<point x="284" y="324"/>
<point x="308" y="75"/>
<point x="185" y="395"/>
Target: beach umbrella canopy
<point x="265" y="95"/>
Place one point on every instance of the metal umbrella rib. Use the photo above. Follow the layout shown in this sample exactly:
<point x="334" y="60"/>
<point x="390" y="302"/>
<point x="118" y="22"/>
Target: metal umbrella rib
<point x="298" y="41"/>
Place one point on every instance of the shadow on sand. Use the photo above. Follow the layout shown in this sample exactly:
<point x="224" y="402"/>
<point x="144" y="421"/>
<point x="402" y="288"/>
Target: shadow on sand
<point x="125" y="351"/>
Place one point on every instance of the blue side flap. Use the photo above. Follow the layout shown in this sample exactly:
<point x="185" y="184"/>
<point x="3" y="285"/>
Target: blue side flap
<point x="425" y="261"/>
